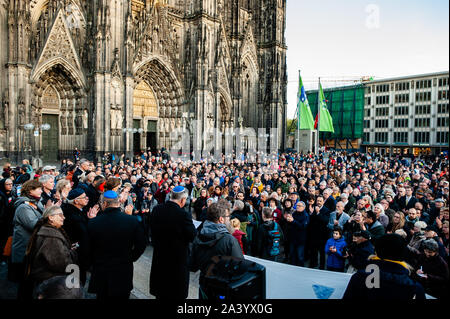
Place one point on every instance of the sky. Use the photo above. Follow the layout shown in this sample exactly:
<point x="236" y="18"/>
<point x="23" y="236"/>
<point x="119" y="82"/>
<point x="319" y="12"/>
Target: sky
<point x="342" y="41"/>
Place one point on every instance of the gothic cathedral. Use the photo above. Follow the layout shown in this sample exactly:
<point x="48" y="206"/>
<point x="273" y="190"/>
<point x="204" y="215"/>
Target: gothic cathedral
<point x="119" y="76"/>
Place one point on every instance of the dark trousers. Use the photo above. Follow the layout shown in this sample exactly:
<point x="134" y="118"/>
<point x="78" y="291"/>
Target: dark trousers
<point x="317" y="248"/>
<point x="297" y="254"/>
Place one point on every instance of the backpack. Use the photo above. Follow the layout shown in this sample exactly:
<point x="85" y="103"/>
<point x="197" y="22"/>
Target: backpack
<point x="274" y="241"/>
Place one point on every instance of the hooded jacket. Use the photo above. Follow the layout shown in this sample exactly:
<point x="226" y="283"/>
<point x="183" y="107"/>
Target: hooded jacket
<point x="335" y="260"/>
<point x="25" y="218"/>
<point x="213" y="240"/>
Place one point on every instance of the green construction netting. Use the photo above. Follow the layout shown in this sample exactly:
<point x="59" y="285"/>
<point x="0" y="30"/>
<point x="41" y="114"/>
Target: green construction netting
<point x="346" y="106"/>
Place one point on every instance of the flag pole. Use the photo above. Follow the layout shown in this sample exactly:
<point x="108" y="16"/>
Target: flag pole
<point x="298" y="115"/>
<point x="318" y="120"/>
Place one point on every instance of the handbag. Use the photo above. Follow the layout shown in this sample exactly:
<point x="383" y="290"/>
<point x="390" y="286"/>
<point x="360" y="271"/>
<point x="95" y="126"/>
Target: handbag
<point x="8" y="247"/>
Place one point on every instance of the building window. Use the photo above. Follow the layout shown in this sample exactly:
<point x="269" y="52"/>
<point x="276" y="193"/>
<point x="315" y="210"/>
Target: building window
<point x="423" y="109"/>
<point x="366" y="123"/>
<point x="443" y="81"/>
<point x="381" y="123"/>
<point x="423" y="84"/>
<point x="400" y="137"/>
<point x="422" y="122"/>
<point x="403" y="86"/>
<point x="442" y="122"/>
<point x="381" y="137"/>
<point x="443" y="95"/>
<point x="368" y="100"/>
<point x="383" y="88"/>
<point x="421" y="137"/>
<point x="401" y="110"/>
<point x="443" y="108"/>
<point x="367" y="137"/>
<point x="367" y="113"/>
<point x="401" y="123"/>
<point x="423" y="96"/>
<point x="382" y="111"/>
<point x="442" y="137"/>
<point x="401" y="98"/>
<point x="382" y="99"/>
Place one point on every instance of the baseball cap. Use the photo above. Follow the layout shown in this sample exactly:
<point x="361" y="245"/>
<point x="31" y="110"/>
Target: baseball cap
<point x="48" y="168"/>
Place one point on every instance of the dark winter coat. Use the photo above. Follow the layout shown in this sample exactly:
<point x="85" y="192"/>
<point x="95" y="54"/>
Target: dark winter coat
<point x="264" y="241"/>
<point x="51" y="254"/>
<point x="359" y="254"/>
<point x="395" y="284"/>
<point x="213" y="240"/>
<point x="437" y="272"/>
<point x="75" y="226"/>
<point x="116" y="241"/>
<point x="376" y="230"/>
<point x="172" y="230"/>
<point x="6" y="213"/>
<point x="318" y="225"/>
<point x="297" y="230"/>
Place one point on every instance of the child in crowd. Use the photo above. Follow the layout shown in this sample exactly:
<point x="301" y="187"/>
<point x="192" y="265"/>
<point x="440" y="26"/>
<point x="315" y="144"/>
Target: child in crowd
<point x="334" y="249"/>
<point x="239" y="234"/>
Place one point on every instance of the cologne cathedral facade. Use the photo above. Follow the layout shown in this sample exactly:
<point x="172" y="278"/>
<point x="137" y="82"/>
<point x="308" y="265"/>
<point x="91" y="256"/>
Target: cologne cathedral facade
<point x="120" y="75"/>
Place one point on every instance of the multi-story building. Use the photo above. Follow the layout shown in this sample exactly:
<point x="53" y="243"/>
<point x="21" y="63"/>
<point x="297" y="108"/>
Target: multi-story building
<point x="407" y="115"/>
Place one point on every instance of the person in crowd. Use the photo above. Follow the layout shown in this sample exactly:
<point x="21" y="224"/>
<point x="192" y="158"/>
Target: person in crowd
<point x="334" y="248"/>
<point x="373" y="226"/>
<point x="49" y="250"/>
<point x="394" y="281"/>
<point x="398" y="221"/>
<point x="7" y="199"/>
<point x="381" y="216"/>
<point x="318" y="233"/>
<point x="432" y="271"/>
<point x="338" y="217"/>
<point x="28" y="211"/>
<point x="359" y="251"/>
<point x="239" y="234"/>
<point x="116" y="240"/>
<point x="82" y="169"/>
<point x="23" y="175"/>
<point x="297" y="223"/>
<point x="62" y="190"/>
<point x="214" y="239"/>
<point x="171" y="230"/>
<point x="48" y="185"/>
<point x="269" y="237"/>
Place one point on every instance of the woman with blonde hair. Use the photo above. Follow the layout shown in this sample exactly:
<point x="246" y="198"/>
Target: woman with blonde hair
<point x="368" y="202"/>
<point x="63" y="188"/>
<point x="238" y="233"/>
<point x="398" y="221"/>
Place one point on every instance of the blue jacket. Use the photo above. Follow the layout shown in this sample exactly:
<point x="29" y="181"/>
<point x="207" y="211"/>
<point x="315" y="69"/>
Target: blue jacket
<point x="297" y="229"/>
<point x="335" y="260"/>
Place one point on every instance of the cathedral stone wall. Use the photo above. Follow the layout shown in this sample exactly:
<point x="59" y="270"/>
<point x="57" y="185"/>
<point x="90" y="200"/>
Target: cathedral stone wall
<point x="120" y="76"/>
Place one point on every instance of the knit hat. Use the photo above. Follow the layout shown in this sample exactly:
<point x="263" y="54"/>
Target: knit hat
<point x="364" y="233"/>
<point x="391" y="246"/>
<point x="74" y="193"/>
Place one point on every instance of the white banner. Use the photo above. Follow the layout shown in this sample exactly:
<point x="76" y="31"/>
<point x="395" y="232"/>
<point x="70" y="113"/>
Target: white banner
<point x="285" y="281"/>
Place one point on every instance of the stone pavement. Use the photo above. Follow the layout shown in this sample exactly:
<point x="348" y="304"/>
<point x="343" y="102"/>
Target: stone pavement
<point x="141" y="280"/>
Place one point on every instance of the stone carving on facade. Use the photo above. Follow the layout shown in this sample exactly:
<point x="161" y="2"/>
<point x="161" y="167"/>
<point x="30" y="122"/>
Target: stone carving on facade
<point x="4" y="113"/>
<point x="63" y="122"/>
<point x="70" y="122"/>
<point x="21" y="111"/>
<point x="85" y="120"/>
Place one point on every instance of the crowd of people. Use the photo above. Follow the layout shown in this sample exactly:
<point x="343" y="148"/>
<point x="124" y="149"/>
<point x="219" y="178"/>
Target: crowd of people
<point x="330" y="212"/>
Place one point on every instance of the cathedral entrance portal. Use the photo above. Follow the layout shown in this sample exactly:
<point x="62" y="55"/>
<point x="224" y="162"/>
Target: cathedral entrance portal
<point x="50" y="138"/>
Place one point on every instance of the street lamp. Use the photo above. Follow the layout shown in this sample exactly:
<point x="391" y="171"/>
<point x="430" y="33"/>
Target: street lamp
<point x="28" y="127"/>
<point x="44" y="127"/>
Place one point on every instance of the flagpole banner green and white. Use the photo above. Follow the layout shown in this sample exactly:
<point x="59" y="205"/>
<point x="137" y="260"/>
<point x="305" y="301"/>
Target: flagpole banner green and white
<point x="305" y="118"/>
<point x="325" y="120"/>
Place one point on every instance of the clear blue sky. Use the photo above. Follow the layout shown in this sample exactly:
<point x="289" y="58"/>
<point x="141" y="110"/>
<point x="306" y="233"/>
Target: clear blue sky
<point x="341" y="41"/>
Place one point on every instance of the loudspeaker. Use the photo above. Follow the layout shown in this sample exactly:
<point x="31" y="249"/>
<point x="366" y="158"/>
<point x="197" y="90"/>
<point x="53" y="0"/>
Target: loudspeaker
<point x="231" y="278"/>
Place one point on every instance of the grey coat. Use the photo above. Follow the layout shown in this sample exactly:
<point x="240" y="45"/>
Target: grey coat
<point x="25" y="218"/>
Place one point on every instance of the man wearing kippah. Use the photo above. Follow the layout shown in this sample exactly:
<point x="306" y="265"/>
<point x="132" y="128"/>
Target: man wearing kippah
<point x="116" y="241"/>
<point x="172" y="230"/>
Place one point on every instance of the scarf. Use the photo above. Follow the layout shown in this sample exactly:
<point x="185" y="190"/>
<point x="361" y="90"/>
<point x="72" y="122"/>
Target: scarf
<point x="401" y="263"/>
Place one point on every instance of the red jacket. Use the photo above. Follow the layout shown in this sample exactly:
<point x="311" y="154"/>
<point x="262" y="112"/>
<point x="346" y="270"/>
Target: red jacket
<point x="238" y="235"/>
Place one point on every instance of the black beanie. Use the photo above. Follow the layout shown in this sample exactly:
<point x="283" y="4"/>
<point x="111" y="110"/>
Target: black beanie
<point x="391" y="246"/>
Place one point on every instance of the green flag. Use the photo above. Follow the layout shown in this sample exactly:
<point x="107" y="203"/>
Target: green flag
<point x="325" y="120"/>
<point x="305" y="117"/>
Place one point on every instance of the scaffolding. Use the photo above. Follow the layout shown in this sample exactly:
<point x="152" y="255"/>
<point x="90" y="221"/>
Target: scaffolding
<point x="346" y="106"/>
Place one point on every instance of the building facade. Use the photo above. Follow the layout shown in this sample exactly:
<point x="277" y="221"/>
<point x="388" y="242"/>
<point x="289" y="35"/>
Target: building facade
<point x="120" y="76"/>
<point x="407" y="115"/>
